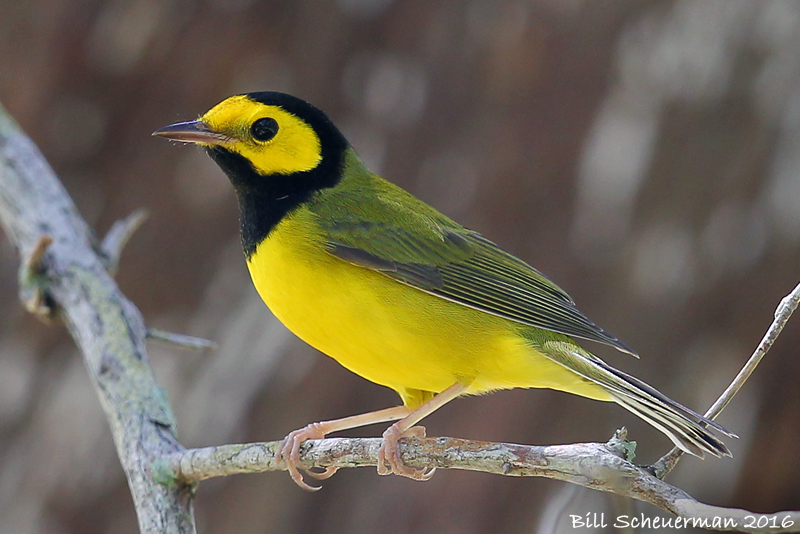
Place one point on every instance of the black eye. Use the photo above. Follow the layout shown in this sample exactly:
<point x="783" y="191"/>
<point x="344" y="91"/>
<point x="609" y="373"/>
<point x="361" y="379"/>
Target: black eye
<point x="264" y="129"/>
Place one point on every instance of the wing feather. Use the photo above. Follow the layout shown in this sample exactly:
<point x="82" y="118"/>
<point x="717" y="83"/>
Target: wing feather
<point x="416" y="245"/>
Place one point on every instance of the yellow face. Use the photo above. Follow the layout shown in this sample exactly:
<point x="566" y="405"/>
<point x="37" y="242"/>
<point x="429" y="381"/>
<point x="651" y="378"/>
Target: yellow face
<point x="272" y="139"/>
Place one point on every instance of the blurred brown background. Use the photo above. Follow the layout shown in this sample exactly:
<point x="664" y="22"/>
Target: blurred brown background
<point x="644" y="154"/>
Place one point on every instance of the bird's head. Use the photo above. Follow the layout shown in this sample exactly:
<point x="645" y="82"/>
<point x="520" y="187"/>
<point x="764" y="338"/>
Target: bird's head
<point x="271" y="133"/>
<point x="277" y="150"/>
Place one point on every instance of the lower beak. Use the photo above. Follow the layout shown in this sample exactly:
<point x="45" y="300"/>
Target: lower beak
<point x="192" y="132"/>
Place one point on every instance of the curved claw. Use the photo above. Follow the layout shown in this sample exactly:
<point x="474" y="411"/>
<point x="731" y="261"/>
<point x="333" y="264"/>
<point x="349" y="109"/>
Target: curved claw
<point x="288" y="454"/>
<point x="390" y="453"/>
<point x="328" y="473"/>
<point x="427" y="474"/>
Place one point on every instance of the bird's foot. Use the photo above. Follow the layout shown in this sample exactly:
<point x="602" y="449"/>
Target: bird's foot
<point x="390" y="453"/>
<point x="288" y="454"/>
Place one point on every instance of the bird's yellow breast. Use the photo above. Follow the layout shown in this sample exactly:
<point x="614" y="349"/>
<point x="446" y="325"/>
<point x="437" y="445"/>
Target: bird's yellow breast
<point x="388" y="332"/>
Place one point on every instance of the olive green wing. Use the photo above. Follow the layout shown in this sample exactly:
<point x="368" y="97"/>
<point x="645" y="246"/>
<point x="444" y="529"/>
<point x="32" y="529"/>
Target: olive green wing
<point x="412" y="243"/>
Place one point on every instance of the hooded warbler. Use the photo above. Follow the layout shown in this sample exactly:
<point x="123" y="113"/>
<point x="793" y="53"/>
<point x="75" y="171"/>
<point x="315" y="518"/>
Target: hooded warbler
<point x="397" y="292"/>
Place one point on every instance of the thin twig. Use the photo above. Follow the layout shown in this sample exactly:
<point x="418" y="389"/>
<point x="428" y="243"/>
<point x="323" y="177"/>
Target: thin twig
<point x="181" y="340"/>
<point x="782" y="314"/>
<point x="33" y="265"/>
<point x="32" y="291"/>
<point x="118" y="236"/>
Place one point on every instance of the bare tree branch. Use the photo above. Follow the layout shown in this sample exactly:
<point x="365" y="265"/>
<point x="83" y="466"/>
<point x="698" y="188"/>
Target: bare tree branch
<point x="592" y="465"/>
<point x="61" y="272"/>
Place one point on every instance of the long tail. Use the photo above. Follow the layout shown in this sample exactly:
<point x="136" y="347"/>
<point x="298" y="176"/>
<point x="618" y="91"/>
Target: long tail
<point x="686" y="428"/>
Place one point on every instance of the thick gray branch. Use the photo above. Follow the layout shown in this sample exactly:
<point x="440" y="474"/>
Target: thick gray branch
<point x="70" y="278"/>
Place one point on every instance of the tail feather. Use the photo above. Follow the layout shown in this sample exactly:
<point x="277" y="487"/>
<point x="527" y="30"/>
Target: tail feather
<point x="650" y="391"/>
<point x="683" y="426"/>
<point x="685" y="436"/>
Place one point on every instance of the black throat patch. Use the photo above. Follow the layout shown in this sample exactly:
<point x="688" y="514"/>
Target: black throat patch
<point x="266" y="199"/>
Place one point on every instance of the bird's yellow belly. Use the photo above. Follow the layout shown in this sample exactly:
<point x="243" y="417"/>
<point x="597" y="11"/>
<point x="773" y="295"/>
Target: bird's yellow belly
<point x="393" y="334"/>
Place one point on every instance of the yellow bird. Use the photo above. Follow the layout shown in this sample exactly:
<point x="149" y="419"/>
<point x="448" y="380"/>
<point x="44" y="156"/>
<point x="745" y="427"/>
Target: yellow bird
<point x="397" y="292"/>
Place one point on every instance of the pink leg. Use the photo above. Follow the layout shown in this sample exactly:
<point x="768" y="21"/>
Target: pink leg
<point x="390" y="452"/>
<point x="288" y="453"/>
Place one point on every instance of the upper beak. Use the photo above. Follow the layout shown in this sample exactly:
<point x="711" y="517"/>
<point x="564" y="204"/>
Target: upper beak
<point x="192" y="132"/>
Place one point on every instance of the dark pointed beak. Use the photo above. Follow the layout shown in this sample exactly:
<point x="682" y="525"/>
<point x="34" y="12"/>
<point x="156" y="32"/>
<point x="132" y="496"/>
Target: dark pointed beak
<point x="192" y="132"/>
